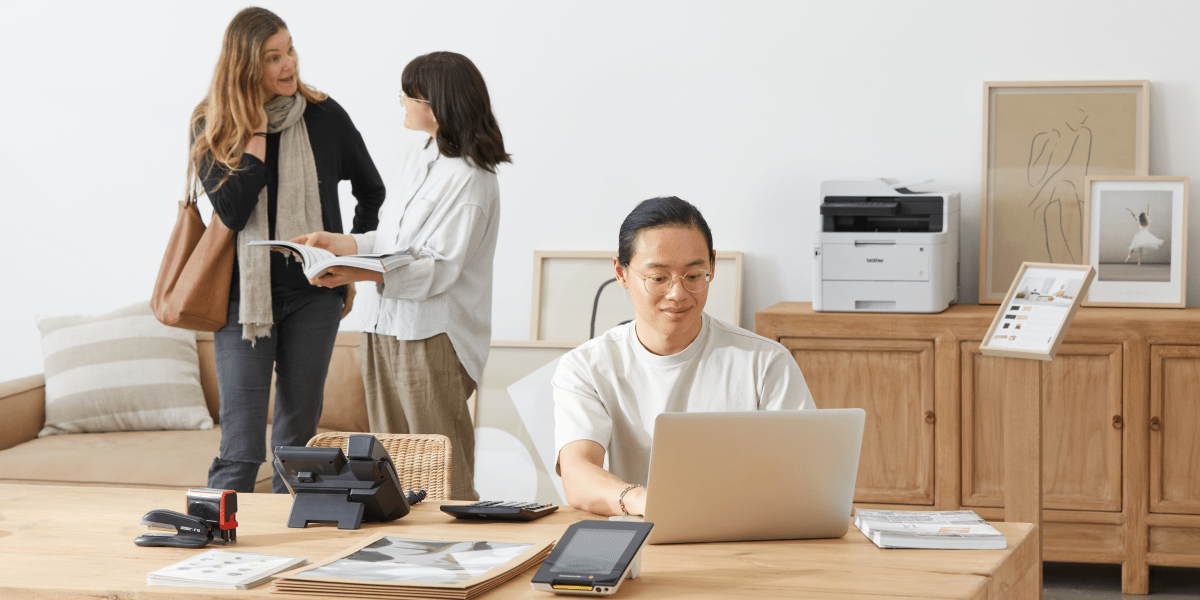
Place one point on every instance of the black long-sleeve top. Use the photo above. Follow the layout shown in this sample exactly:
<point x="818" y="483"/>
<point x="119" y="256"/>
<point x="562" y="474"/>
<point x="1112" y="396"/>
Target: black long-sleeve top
<point x="339" y="153"/>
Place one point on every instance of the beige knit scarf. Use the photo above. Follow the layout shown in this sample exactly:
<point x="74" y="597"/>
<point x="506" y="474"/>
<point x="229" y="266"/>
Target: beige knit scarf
<point x="298" y="212"/>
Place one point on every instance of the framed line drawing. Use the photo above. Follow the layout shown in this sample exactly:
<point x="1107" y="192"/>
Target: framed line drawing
<point x="1041" y="140"/>
<point x="1137" y="241"/>
<point x="1037" y="310"/>
<point x="566" y="284"/>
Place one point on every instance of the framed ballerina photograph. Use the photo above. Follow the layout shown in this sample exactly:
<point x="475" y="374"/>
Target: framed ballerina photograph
<point x="1136" y="238"/>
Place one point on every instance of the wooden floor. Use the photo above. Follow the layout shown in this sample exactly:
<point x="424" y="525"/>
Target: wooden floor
<point x="1072" y="581"/>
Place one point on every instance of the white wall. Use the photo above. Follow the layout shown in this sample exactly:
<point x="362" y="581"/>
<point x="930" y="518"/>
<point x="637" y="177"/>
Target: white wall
<point x="743" y="108"/>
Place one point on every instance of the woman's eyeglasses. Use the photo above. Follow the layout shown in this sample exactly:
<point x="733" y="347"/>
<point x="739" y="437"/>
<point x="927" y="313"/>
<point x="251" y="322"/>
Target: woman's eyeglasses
<point x="404" y="99"/>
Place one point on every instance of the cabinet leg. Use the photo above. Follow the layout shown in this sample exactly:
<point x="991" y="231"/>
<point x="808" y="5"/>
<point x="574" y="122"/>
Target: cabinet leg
<point x="1135" y="577"/>
<point x="1029" y="587"/>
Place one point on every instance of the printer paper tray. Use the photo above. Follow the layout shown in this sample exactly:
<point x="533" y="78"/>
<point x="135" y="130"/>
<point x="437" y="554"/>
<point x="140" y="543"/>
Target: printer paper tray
<point x="876" y="262"/>
<point x="881" y="296"/>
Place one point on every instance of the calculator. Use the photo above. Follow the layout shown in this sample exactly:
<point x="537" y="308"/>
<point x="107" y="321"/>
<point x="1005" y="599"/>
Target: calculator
<point x="499" y="510"/>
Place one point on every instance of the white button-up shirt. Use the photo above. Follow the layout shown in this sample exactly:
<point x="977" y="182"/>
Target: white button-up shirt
<point x="448" y="213"/>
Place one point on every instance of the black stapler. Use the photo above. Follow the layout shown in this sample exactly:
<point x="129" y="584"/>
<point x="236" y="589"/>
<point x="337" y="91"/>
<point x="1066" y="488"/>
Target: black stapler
<point x="210" y="518"/>
<point x="184" y="531"/>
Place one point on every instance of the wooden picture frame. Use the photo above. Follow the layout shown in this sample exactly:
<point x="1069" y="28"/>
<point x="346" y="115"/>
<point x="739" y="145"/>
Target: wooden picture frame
<point x="565" y="284"/>
<point x="1142" y="219"/>
<point x="1035" y="134"/>
<point x="1029" y="323"/>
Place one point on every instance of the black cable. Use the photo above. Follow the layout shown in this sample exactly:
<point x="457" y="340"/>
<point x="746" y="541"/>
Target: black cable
<point x="415" y="497"/>
<point x="596" y="306"/>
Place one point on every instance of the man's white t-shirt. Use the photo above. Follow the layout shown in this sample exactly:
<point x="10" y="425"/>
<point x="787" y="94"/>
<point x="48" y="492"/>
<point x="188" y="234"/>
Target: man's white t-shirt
<point x="610" y="389"/>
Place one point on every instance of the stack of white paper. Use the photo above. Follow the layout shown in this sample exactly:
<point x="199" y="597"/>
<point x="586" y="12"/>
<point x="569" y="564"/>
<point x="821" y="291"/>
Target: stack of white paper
<point x="952" y="529"/>
<point x="224" y="570"/>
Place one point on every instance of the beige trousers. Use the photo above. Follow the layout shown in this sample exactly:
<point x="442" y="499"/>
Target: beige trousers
<point x="421" y="387"/>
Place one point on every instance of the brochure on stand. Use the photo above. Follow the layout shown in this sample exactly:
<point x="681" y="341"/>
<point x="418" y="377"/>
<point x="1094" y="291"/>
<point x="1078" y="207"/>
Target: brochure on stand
<point x="944" y="530"/>
<point x="1040" y="305"/>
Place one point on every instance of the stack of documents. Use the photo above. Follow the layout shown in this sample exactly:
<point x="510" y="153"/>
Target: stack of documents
<point x="393" y="567"/>
<point x="222" y="569"/>
<point x="945" y="530"/>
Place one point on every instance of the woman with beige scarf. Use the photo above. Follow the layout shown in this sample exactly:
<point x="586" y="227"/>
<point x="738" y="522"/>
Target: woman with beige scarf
<point x="270" y="151"/>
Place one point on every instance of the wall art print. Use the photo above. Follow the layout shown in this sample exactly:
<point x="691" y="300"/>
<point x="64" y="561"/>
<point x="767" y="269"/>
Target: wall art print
<point x="1042" y="140"/>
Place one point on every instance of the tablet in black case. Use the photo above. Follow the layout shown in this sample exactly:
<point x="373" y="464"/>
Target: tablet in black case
<point x="592" y="557"/>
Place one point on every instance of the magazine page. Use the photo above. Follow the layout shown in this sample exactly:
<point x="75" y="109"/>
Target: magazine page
<point x="396" y="561"/>
<point x="309" y="255"/>
<point x="948" y="517"/>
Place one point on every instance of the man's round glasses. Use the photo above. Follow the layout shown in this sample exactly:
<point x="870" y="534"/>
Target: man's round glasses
<point x="404" y="99"/>
<point x="693" y="281"/>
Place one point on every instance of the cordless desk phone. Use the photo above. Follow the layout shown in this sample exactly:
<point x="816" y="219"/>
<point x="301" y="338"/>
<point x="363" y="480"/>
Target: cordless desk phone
<point x="500" y="510"/>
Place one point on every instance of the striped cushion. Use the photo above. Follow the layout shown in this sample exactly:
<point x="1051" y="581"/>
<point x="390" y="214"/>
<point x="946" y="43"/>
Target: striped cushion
<point x="123" y="371"/>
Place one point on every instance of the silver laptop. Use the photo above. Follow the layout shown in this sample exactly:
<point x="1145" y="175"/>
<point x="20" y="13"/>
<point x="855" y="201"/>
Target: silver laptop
<point x="761" y="475"/>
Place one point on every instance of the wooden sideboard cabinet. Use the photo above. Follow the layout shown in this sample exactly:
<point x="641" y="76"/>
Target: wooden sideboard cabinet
<point x="1120" y="435"/>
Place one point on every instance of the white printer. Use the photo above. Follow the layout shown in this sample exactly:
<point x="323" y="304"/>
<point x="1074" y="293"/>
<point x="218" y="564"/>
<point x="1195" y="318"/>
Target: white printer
<point x="884" y="248"/>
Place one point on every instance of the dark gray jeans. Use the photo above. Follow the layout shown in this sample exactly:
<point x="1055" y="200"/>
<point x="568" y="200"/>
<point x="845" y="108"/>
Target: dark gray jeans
<point x="298" y="350"/>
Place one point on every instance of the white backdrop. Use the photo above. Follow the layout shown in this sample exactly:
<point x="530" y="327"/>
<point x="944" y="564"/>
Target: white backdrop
<point x="742" y="108"/>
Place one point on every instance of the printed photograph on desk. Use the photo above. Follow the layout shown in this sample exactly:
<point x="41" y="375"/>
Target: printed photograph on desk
<point x="420" y="561"/>
<point x="390" y="566"/>
<point x="1137" y="241"/>
<point x="1037" y="310"/>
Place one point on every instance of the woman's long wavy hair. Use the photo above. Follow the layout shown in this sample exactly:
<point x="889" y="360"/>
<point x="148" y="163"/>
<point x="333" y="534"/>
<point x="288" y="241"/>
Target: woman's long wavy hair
<point x="223" y="123"/>
<point x="455" y="90"/>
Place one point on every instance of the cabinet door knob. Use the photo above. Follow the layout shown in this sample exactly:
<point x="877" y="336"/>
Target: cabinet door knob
<point x="1155" y="424"/>
<point x="930" y="417"/>
<point x="1117" y="422"/>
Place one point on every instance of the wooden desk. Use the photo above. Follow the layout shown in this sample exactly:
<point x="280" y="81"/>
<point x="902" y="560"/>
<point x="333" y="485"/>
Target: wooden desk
<point x="72" y="542"/>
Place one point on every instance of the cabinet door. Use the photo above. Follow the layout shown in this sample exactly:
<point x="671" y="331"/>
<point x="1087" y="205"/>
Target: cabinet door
<point x="1081" y="430"/>
<point x="1175" y="429"/>
<point x="892" y="380"/>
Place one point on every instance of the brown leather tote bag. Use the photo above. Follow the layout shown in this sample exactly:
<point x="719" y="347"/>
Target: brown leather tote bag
<point x="192" y="289"/>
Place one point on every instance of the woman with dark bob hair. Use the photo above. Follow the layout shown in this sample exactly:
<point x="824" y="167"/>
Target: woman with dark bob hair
<point x="426" y="336"/>
<point x="270" y="151"/>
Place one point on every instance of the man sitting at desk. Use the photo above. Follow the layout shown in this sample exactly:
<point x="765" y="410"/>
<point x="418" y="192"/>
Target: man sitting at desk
<point x="671" y="358"/>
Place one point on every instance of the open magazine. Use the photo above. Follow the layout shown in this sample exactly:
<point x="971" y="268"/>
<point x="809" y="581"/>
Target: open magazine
<point x="384" y="567"/>
<point x="318" y="260"/>
<point x="947" y="529"/>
